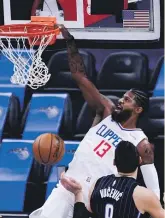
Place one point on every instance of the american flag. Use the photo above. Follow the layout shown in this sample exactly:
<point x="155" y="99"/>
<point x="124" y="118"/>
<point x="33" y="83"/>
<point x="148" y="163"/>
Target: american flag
<point x="136" y="19"/>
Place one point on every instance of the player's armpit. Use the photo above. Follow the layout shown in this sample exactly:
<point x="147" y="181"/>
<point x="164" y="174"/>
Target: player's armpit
<point x="98" y="118"/>
<point x="100" y="115"/>
<point x="146" y="151"/>
<point x="151" y="204"/>
<point x="94" y="99"/>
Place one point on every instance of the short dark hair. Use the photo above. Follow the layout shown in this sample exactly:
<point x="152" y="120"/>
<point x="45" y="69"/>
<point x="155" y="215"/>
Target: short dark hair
<point x="126" y="157"/>
<point x="141" y="98"/>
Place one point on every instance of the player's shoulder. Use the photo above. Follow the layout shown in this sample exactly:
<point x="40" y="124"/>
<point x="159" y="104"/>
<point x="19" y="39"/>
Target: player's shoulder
<point x="139" y="196"/>
<point x="144" y="144"/>
<point x="138" y="135"/>
<point x="143" y="195"/>
<point x="137" y="131"/>
<point x="103" y="178"/>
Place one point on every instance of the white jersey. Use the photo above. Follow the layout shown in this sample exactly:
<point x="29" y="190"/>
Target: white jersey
<point x="95" y="154"/>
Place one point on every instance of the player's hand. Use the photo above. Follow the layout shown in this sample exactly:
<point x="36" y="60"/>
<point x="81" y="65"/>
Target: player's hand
<point x="71" y="184"/>
<point x="65" y="33"/>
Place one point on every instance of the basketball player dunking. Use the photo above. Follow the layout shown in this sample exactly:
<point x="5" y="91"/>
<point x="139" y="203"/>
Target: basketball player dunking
<point x="95" y="154"/>
<point x="116" y="196"/>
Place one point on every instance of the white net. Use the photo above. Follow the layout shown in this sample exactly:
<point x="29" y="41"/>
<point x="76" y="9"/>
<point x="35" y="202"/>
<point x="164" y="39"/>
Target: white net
<point x="31" y="71"/>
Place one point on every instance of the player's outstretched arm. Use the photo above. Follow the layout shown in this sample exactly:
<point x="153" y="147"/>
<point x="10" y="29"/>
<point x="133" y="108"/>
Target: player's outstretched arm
<point x="146" y="201"/>
<point x="146" y="151"/>
<point x="91" y="94"/>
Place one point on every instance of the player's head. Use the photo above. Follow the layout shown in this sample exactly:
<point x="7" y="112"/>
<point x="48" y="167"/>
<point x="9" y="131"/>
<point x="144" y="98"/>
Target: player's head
<point x="133" y="103"/>
<point x="127" y="158"/>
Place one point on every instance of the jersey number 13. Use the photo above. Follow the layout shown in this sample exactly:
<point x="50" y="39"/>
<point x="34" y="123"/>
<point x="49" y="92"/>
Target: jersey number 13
<point x="102" y="148"/>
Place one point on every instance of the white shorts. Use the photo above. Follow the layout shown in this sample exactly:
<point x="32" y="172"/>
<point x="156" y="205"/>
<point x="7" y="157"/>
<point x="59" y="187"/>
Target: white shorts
<point x="60" y="204"/>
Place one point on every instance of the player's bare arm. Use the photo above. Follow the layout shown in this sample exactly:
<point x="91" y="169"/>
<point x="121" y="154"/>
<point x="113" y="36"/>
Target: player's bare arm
<point x="91" y="94"/>
<point x="146" y="201"/>
<point x="150" y="176"/>
<point x="146" y="151"/>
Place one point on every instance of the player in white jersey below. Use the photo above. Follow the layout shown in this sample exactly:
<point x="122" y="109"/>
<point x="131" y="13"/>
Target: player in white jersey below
<point x="95" y="154"/>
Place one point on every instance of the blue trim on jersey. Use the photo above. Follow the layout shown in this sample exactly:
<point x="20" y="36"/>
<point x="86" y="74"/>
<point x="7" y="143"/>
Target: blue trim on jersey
<point x="137" y="129"/>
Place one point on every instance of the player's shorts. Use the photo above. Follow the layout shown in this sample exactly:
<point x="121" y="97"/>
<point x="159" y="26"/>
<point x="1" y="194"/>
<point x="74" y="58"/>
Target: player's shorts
<point x="60" y="204"/>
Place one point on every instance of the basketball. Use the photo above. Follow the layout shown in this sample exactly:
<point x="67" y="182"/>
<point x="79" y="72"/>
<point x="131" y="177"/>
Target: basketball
<point x="48" y="149"/>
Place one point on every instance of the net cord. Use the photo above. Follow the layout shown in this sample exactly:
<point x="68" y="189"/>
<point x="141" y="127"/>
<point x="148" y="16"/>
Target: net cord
<point x="31" y="71"/>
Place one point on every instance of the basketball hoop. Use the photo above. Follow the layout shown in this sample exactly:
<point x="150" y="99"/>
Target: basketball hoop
<point x="40" y="32"/>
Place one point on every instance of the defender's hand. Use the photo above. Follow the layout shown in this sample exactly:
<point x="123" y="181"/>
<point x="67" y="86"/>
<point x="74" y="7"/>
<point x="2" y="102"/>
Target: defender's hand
<point x="71" y="184"/>
<point x="65" y="32"/>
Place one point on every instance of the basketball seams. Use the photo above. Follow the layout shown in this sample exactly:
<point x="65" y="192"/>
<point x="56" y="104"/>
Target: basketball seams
<point x="39" y="151"/>
<point x="50" y="150"/>
<point x="36" y="154"/>
<point x="62" y="149"/>
<point x="39" y="144"/>
<point x="57" y="149"/>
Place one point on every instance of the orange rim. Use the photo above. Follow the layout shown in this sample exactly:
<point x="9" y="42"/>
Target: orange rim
<point x="32" y="30"/>
<point x="39" y="26"/>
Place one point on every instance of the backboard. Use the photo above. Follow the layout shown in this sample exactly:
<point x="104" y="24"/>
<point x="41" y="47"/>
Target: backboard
<point x="88" y="19"/>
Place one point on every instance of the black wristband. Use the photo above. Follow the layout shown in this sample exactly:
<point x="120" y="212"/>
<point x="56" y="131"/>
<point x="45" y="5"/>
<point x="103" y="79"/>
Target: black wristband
<point x="80" y="211"/>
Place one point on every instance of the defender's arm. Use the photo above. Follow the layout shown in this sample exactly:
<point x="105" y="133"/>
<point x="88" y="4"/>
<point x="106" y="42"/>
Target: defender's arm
<point x="146" y="201"/>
